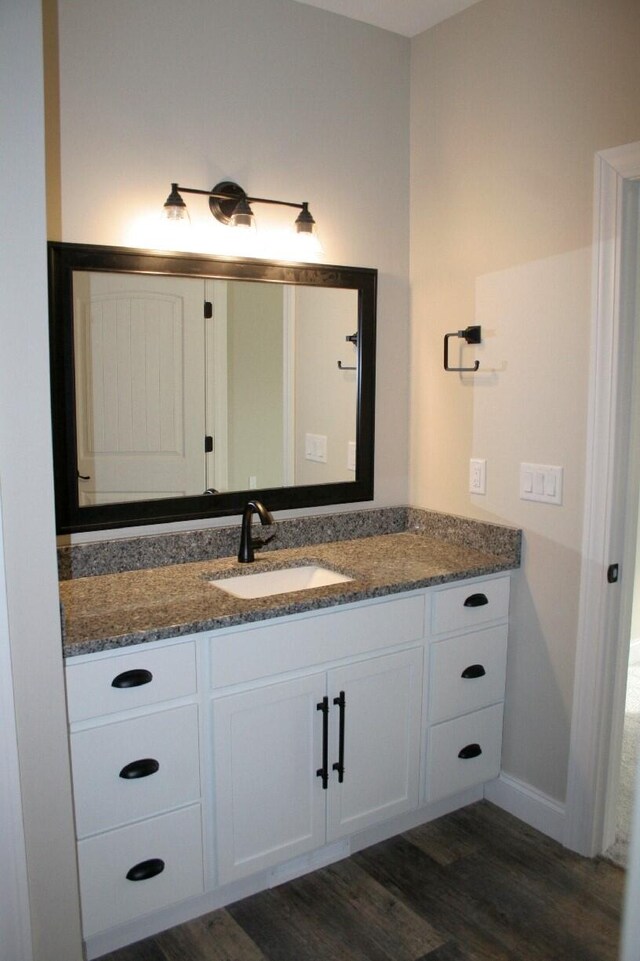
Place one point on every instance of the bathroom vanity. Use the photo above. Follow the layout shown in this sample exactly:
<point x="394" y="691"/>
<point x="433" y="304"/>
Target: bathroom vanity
<point x="223" y="745"/>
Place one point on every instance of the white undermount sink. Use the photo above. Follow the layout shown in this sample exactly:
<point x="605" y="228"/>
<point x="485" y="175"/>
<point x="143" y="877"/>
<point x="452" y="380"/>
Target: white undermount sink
<point x="283" y="581"/>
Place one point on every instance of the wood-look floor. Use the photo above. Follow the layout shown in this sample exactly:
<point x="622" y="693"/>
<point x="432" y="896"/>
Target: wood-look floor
<point x="476" y="885"/>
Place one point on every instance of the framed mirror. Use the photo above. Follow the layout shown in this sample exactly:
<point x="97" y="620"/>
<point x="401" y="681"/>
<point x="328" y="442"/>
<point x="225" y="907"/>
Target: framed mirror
<point x="184" y="385"/>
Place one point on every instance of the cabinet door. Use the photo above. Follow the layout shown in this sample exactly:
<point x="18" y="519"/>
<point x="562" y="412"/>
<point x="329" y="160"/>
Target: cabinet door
<point x="381" y="715"/>
<point x="267" y="746"/>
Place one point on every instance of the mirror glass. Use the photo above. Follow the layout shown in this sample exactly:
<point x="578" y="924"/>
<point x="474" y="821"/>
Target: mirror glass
<point x="183" y="385"/>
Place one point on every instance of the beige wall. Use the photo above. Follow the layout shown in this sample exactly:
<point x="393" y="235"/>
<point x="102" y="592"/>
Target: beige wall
<point x="292" y="102"/>
<point x="510" y="101"/>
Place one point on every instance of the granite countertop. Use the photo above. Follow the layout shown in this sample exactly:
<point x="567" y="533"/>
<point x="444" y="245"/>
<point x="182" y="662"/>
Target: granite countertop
<point x="115" y="610"/>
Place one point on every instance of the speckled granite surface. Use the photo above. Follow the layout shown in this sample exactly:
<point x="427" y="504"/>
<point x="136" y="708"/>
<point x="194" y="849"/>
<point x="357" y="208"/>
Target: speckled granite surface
<point x="115" y="610"/>
<point x="164" y="550"/>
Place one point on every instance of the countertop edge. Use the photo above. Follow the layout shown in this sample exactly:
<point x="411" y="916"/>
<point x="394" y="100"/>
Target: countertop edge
<point x="301" y="605"/>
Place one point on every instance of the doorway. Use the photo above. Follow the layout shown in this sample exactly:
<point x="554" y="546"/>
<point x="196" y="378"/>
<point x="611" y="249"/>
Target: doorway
<point x="622" y="790"/>
<point x="611" y="509"/>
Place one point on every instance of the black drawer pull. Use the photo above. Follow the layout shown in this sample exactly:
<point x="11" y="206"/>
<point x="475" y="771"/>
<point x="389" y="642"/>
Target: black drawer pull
<point x="471" y="750"/>
<point x="134" y="678"/>
<point x="339" y="764"/>
<point x="142" y="768"/>
<point x="474" y="670"/>
<point x="476" y="600"/>
<point x="323" y="772"/>
<point x="145" y="870"/>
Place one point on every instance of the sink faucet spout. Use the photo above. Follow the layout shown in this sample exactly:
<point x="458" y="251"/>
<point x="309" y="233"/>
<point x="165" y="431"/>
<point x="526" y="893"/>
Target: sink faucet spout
<point x="247" y="544"/>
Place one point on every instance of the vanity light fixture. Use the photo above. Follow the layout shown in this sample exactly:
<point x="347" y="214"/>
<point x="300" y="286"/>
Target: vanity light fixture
<point x="231" y="205"/>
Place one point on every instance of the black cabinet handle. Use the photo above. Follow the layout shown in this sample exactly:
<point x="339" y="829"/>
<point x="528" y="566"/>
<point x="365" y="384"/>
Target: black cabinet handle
<point x="474" y="670"/>
<point x="142" y="768"/>
<point x="134" y="678"/>
<point x="323" y="771"/>
<point x="145" y="870"/>
<point x="471" y="750"/>
<point x="339" y="764"/>
<point x="476" y="600"/>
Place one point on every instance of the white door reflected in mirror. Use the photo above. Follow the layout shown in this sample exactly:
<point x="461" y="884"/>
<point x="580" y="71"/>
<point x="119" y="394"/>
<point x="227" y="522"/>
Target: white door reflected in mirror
<point x="173" y="399"/>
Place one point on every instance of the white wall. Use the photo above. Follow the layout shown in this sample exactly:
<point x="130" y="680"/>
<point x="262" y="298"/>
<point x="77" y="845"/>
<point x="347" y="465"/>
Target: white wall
<point x="27" y="497"/>
<point x="510" y="102"/>
<point x="292" y="102"/>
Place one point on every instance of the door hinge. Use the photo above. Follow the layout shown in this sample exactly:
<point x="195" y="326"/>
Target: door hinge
<point x="208" y="444"/>
<point x="208" y="310"/>
<point x="612" y="573"/>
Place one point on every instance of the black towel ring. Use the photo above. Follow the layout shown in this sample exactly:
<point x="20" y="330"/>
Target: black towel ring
<point x="472" y="335"/>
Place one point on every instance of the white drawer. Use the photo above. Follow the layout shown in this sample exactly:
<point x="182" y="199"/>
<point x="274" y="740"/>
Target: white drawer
<point x="134" y="769"/>
<point x="110" y="898"/>
<point x="467" y="672"/>
<point x="304" y="642"/>
<point x="457" y="608"/>
<point x="146" y="676"/>
<point x="447" y="772"/>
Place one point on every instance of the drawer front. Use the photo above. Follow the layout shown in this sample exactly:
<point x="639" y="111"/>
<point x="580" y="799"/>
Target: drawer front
<point x="110" y="684"/>
<point x="172" y="842"/>
<point x="467" y="672"/>
<point x="457" y="608"/>
<point x="134" y="769"/>
<point x="447" y="771"/>
<point x="277" y="648"/>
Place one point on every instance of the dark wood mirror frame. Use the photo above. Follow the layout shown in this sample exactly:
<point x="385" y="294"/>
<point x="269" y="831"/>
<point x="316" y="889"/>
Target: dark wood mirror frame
<point x="64" y="259"/>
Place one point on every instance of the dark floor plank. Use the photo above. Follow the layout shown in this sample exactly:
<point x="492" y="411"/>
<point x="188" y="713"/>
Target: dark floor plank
<point x="443" y="840"/>
<point x="429" y="889"/>
<point x="146" y="950"/>
<point x="447" y="952"/>
<point x="342" y="913"/>
<point x="212" y="937"/>
<point x="476" y="885"/>
<point x="543" y="861"/>
<point x="516" y="892"/>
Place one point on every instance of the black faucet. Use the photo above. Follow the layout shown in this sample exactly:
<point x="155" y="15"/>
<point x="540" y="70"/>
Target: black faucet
<point x="247" y="544"/>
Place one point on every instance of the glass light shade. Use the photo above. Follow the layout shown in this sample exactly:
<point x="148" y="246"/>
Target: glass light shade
<point x="175" y="209"/>
<point x="307" y="233"/>
<point x="242" y="216"/>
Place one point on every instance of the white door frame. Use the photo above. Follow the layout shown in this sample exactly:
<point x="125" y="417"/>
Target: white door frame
<point x="216" y="386"/>
<point x="14" y="895"/>
<point x="602" y="649"/>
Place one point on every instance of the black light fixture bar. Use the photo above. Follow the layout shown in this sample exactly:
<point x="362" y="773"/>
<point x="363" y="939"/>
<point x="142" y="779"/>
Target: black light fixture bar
<point x="225" y="196"/>
<point x="217" y="194"/>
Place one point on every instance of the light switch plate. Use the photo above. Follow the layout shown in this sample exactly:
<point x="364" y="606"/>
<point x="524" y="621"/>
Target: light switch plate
<point x="541" y="482"/>
<point x="315" y="447"/>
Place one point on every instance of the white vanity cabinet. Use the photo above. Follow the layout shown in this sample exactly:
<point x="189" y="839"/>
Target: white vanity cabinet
<point x="466" y="683"/>
<point x="294" y="701"/>
<point x="203" y="765"/>
<point x="315" y="758"/>
<point x="136" y="773"/>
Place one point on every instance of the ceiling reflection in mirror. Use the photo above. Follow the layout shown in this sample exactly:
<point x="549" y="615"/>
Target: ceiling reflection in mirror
<point x="186" y="385"/>
<point x="183" y="385"/>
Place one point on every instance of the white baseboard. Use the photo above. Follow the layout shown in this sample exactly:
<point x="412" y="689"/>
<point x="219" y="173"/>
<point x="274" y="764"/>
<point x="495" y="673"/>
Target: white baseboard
<point x="528" y="804"/>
